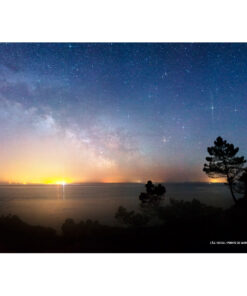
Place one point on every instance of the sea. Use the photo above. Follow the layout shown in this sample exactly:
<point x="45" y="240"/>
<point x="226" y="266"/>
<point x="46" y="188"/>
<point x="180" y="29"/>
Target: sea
<point x="51" y="205"/>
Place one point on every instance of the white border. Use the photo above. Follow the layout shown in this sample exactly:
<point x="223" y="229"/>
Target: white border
<point x="121" y="275"/>
<point x="122" y="21"/>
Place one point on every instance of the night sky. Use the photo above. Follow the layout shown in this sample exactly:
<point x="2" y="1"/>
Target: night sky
<point x="118" y="112"/>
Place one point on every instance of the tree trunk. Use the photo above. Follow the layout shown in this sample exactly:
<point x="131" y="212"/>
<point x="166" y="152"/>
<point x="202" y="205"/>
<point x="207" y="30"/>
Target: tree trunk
<point x="233" y="195"/>
<point x="229" y="181"/>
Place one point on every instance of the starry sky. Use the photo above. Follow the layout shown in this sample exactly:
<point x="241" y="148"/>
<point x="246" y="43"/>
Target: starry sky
<point x="118" y="112"/>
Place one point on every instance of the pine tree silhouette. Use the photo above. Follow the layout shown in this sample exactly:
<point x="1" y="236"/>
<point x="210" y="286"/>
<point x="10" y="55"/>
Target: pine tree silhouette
<point x="223" y="162"/>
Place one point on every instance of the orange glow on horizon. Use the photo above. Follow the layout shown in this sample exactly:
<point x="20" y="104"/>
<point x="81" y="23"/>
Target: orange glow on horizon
<point x="112" y="180"/>
<point x="67" y="181"/>
<point x="219" y="180"/>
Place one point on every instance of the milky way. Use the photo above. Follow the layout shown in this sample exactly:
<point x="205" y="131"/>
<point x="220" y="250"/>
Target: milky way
<point x="118" y="112"/>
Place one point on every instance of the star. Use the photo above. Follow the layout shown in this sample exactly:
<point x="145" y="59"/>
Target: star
<point x="212" y="107"/>
<point x="166" y="140"/>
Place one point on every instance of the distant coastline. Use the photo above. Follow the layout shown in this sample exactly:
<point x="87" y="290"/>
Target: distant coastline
<point x="105" y="183"/>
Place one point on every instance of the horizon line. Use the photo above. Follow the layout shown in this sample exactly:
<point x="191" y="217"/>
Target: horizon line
<point x="85" y="183"/>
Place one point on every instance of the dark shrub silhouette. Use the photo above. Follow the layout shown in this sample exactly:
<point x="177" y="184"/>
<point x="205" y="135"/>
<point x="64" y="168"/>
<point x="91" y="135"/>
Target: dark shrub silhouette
<point x="186" y="211"/>
<point x="68" y="228"/>
<point x="223" y="162"/>
<point x="153" y="193"/>
<point x="18" y="236"/>
<point x="72" y="230"/>
<point x="131" y="218"/>
<point x="184" y="227"/>
<point x="149" y="187"/>
<point x="160" y="190"/>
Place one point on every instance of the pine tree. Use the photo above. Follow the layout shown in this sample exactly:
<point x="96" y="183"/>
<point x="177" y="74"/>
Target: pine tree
<point x="223" y="162"/>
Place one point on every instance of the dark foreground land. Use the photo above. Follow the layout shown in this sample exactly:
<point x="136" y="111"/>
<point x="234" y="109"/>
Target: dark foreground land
<point x="183" y="227"/>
